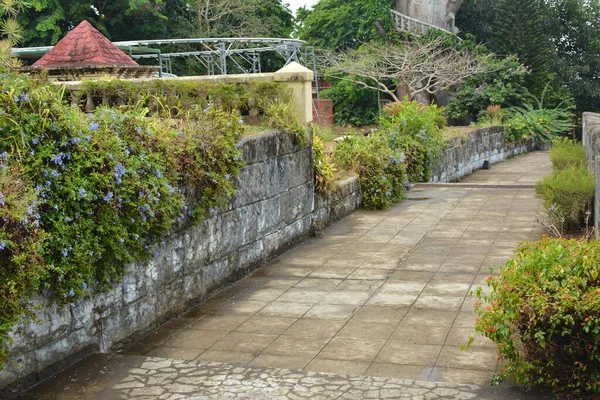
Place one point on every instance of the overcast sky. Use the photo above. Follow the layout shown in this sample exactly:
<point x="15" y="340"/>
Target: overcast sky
<point x="296" y="4"/>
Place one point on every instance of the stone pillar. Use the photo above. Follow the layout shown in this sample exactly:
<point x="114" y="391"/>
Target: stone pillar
<point x="299" y="80"/>
<point x="591" y="142"/>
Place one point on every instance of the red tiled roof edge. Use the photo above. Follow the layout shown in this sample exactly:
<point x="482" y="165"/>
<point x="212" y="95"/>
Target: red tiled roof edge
<point x="84" y="46"/>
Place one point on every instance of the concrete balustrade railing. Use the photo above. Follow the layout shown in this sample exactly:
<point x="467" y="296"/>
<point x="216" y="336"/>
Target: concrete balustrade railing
<point x="591" y="142"/>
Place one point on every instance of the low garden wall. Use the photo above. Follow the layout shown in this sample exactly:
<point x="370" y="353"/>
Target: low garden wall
<point x="591" y="142"/>
<point x="273" y="209"/>
<point x="466" y="155"/>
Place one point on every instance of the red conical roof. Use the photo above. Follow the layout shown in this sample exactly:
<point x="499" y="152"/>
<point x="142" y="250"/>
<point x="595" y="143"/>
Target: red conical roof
<point x="84" y="46"/>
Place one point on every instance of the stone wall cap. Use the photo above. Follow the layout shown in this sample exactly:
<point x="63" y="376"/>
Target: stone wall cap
<point x="293" y="72"/>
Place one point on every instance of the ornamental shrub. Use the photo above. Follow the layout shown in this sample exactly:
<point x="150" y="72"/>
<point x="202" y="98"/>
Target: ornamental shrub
<point x="414" y="130"/>
<point x="566" y="153"/>
<point x="568" y="196"/>
<point x="544" y="314"/>
<point x="324" y="168"/>
<point x="381" y="170"/>
<point x="84" y="195"/>
<point x="542" y="123"/>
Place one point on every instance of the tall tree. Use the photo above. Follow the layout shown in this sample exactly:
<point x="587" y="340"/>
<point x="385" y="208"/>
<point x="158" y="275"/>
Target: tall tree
<point x="518" y="29"/>
<point x="343" y="24"/>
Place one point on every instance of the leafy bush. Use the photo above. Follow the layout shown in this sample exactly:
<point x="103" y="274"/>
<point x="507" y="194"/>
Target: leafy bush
<point x="543" y="124"/>
<point x="544" y="314"/>
<point x="82" y="196"/>
<point x="281" y="116"/>
<point x="324" y="168"/>
<point x="568" y="195"/>
<point x="491" y="116"/>
<point x="352" y="104"/>
<point x="380" y="169"/>
<point x="414" y="130"/>
<point x="566" y="153"/>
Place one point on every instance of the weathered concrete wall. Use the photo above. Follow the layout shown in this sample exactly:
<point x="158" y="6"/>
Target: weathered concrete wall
<point x="272" y="210"/>
<point x="440" y="13"/>
<point x="591" y="142"/>
<point x="466" y="155"/>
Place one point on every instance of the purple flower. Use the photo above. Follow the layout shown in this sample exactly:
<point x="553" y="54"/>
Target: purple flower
<point x="67" y="219"/>
<point x="119" y="171"/>
<point x="84" y="285"/>
<point x="82" y="193"/>
<point x="71" y="292"/>
<point x="34" y="141"/>
<point x="93" y="126"/>
<point x="65" y="253"/>
<point x="241" y="122"/>
<point x="2" y="245"/>
<point x="108" y="196"/>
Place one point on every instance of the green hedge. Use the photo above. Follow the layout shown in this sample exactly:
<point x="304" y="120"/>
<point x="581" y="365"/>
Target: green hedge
<point x="544" y="314"/>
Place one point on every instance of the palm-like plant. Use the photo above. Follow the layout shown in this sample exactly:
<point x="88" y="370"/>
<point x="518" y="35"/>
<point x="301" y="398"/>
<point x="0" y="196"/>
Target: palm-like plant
<point x="10" y="30"/>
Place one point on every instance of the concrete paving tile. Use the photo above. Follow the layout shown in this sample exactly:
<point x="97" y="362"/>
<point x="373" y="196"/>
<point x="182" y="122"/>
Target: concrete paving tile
<point x="351" y="349"/>
<point x="181" y="353"/>
<point x="403" y="287"/>
<point x="277" y="361"/>
<point x="441" y="302"/>
<point x="332" y="272"/>
<point x="219" y="322"/>
<point x="242" y="342"/>
<point x="369" y="285"/>
<point x="465" y="376"/>
<point x="370" y="273"/>
<point x="295" y="295"/>
<point x="158" y="336"/>
<point x="331" y="311"/>
<point x="261" y="324"/>
<point x="479" y="358"/>
<point x="338" y="367"/>
<point x="460" y="337"/>
<point x="411" y="276"/>
<point x="420" y="266"/>
<point x="274" y="282"/>
<point x="178" y="323"/>
<point x="318" y="283"/>
<point x="292" y="271"/>
<point x="392" y="299"/>
<point x="465" y="319"/>
<point x="194" y="339"/>
<point x="412" y="354"/>
<point x="246" y="307"/>
<point x="385" y="314"/>
<point x="226" y="357"/>
<point x="344" y="262"/>
<point x="349" y="297"/>
<point x="414" y="334"/>
<point x="315" y="328"/>
<point x="285" y="309"/>
<point x="366" y="330"/>
<point x="447" y="289"/>
<point x="399" y="371"/>
<point x="260" y="294"/>
<point x="296" y="346"/>
<point x="430" y="317"/>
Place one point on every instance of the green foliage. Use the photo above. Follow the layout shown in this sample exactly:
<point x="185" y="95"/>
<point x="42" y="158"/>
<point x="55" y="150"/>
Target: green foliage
<point x="380" y="169"/>
<point x="568" y="196"/>
<point x="281" y="116"/>
<point x="503" y="86"/>
<point x="414" y="129"/>
<point x="567" y="153"/>
<point x="324" y="167"/>
<point x="543" y="123"/>
<point x="544" y="314"/>
<point x="99" y="191"/>
<point x="342" y="24"/>
<point x="353" y="104"/>
<point x="175" y="98"/>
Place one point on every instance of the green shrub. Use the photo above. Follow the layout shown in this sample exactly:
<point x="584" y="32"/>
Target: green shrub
<point x="380" y="169"/>
<point x="353" y="104"/>
<point x="414" y="129"/>
<point x="324" y="168"/>
<point x="542" y="123"/>
<point x="281" y="116"/>
<point x="544" y="314"/>
<point x="566" y="153"/>
<point x="567" y="195"/>
<point x="84" y="195"/>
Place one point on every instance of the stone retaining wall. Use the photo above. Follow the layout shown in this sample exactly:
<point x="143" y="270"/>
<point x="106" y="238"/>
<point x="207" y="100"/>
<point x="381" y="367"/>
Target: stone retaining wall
<point x="272" y="210"/>
<point x="466" y="155"/>
<point x="591" y="142"/>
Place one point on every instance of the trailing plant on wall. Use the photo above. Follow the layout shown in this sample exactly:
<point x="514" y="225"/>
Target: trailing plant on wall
<point x="84" y="195"/>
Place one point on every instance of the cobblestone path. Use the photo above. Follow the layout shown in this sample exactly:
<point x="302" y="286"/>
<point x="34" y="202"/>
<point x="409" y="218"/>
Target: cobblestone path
<point x="380" y="303"/>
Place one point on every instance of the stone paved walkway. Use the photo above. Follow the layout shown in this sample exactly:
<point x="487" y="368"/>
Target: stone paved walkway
<point x="382" y="294"/>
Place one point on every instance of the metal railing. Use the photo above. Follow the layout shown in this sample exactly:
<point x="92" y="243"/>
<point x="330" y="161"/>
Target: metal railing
<point x="404" y="23"/>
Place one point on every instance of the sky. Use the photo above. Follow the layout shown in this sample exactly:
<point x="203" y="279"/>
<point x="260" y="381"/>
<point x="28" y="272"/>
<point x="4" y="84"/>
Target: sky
<point x="296" y="4"/>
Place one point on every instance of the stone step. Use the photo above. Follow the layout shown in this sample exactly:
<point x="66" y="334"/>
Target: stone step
<point x="110" y="376"/>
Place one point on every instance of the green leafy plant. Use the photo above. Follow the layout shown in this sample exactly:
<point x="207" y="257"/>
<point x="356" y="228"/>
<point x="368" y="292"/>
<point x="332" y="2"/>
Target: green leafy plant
<point x="544" y="314"/>
<point x="281" y="116"/>
<point x="414" y="129"/>
<point x="352" y="104"/>
<point x="381" y="170"/>
<point x="542" y="123"/>
<point x="566" y="153"/>
<point x="569" y="193"/>
<point x="84" y="195"/>
<point x="324" y="168"/>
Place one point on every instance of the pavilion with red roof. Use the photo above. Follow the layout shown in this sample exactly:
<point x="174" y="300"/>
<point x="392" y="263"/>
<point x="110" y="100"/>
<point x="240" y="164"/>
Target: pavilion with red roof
<point x="86" y="53"/>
